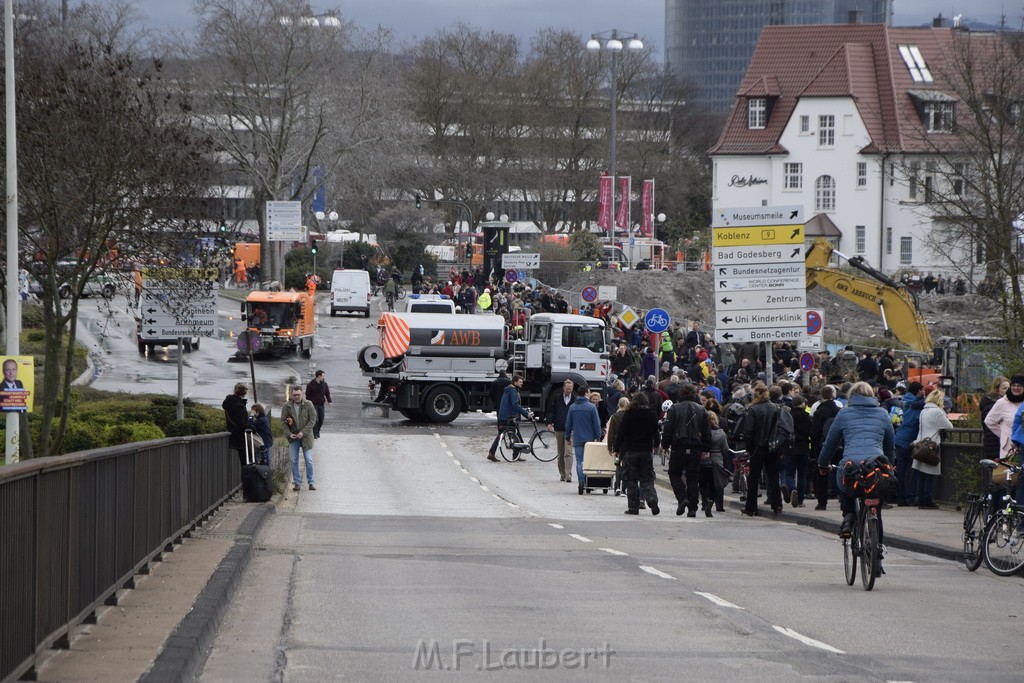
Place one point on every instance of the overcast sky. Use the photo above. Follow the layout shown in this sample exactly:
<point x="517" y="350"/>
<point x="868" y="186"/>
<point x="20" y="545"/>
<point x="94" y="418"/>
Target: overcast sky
<point x="414" y="19"/>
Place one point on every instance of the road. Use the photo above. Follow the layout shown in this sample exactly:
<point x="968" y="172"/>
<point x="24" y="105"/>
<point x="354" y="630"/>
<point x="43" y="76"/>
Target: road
<point x="416" y="554"/>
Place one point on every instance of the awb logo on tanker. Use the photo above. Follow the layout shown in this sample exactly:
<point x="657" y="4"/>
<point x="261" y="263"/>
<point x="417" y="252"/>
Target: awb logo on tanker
<point x="757" y="236"/>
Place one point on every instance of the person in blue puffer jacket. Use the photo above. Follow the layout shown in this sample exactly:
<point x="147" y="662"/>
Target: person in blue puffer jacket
<point x="906" y="434"/>
<point x="582" y="425"/>
<point x="866" y="432"/>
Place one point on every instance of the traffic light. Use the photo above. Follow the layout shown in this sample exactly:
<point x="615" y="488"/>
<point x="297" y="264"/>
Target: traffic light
<point x="312" y="246"/>
<point x="223" y="227"/>
<point x="419" y="202"/>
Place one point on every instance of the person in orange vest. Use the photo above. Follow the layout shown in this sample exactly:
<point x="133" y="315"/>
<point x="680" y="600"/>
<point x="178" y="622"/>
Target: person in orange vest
<point x="240" y="278"/>
<point x="311" y="285"/>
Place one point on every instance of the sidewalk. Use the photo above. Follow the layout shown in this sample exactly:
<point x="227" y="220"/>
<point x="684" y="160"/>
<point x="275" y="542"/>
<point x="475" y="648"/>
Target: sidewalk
<point x="930" y="532"/>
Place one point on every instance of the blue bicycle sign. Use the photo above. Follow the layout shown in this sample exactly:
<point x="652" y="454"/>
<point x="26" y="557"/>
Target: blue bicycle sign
<point x="657" y="320"/>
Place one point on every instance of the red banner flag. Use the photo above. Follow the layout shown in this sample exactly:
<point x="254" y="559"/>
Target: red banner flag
<point x="647" y="208"/>
<point x="625" y="200"/>
<point x="604" y="202"/>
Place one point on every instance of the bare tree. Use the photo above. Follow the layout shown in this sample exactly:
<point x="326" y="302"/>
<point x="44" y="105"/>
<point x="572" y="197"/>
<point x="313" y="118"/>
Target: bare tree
<point x="106" y="161"/>
<point x="285" y="91"/>
<point x="971" y="173"/>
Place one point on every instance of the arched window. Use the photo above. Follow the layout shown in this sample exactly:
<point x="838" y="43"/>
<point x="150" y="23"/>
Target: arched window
<point x="825" y="194"/>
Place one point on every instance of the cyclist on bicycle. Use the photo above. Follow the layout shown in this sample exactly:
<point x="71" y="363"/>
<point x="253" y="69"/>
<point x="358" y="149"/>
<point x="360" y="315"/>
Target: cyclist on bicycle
<point x="391" y="293"/>
<point x="508" y="412"/>
<point x="865" y="430"/>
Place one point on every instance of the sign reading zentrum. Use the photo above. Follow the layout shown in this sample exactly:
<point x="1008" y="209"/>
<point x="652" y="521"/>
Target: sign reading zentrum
<point x="760" y="283"/>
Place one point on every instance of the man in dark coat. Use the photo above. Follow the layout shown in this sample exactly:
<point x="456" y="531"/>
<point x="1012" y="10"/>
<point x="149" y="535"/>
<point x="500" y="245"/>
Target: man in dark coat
<point x="687" y="432"/>
<point x="236" y="415"/>
<point x="558" y="410"/>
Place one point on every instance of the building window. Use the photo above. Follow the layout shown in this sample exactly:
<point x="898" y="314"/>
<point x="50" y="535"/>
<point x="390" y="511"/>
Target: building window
<point x="793" y="176"/>
<point x="862" y="238"/>
<point x="757" y="112"/>
<point x="958" y="179"/>
<point x="888" y="241"/>
<point x="912" y="179"/>
<point x="825" y="194"/>
<point x="938" y="117"/>
<point x="892" y="174"/>
<point x="906" y="251"/>
<point x="805" y="124"/>
<point x="915" y="63"/>
<point x="862" y="174"/>
<point x="826" y="130"/>
<point x="929" y="182"/>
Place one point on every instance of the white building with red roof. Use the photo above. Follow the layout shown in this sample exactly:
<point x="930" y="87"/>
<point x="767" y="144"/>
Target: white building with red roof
<point x="850" y="121"/>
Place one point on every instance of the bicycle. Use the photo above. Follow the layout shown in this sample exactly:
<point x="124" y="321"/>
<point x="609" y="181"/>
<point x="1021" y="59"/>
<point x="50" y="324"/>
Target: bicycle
<point x="541" y="444"/>
<point x="389" y="298"/>
<point x="740" y="472"/>
<point x="864" y="541"/>
<point x="1003" y="541"/>
<point x="378" y="290"/>
<point x="977" y="514"/>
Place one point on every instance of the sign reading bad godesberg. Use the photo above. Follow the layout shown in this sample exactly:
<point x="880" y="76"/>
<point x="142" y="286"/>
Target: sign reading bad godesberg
<point x="760" y="284"/>
<point x="284" y="222"/>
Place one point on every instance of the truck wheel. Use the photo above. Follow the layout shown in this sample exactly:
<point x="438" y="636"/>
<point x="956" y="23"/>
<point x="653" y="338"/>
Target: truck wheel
<point x="367" y="314"/>
<point x="142" y="348"/>
<point x="108" y="291"/>
<point x="195" y="345"/>
<point x="307" y="352"/>
<point x="333" y="312"/>
<point x="443" y="405"/>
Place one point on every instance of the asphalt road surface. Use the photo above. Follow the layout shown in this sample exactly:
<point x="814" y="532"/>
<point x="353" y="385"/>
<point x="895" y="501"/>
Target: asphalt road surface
<point x="417" y="558"/>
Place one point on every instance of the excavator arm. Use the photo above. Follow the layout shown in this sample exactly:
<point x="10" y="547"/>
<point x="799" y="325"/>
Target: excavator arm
<point x="896" y="305"/>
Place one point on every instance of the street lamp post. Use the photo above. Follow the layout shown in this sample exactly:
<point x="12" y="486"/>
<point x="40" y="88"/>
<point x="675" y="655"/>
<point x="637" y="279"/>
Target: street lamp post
<point x="12" y="303"/>
<point x="612" y="41"/>
<point x="332" y="217"/>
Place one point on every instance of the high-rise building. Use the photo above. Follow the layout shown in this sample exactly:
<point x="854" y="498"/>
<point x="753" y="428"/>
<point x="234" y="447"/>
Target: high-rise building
<point x="711" y="42"/>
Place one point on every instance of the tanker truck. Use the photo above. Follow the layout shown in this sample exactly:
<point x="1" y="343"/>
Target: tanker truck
<point x="433" y="367"/>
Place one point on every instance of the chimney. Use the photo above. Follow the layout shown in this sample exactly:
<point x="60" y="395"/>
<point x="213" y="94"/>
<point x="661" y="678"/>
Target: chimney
<point x="856" y="16"/>
<point x="939" y="21"/>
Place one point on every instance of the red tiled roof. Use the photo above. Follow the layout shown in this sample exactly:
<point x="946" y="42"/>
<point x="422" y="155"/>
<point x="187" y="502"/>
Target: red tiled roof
<point x="861" y="61"/>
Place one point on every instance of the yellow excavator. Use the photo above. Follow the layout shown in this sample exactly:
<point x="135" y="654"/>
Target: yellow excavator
<point x="895" y="303"/>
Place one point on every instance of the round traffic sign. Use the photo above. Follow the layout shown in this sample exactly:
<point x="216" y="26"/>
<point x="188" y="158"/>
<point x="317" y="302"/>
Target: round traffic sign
<point x="657" y="320"/>
<point x="247" y="339"/>
<point x="806" y="361"/>
<point x="813" y="322"/>
<point x="511" y="275"/>
<point x="589" y="294"/>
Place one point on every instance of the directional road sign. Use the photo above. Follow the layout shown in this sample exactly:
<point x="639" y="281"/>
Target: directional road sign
<point x="178" y="302"/>
<point x="284" y="222"/>
<point x="520" y="260"/>
<point x="760" y="281"/>
<point x="589" y="294"/>
<point x="657" y="320"/>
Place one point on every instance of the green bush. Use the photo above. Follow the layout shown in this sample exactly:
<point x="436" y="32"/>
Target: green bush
<point x="187" y="427"/>
<point x="81" y="436"/>
<point x="132" y="432"/>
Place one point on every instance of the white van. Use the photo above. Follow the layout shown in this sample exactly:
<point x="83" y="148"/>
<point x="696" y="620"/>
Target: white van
<point x="350" y="291"/>
<point x="429" y="303"/>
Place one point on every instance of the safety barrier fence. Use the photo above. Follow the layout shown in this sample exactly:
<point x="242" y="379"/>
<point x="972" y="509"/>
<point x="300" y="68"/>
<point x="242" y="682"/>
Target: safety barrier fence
<point x="75" y="529"/>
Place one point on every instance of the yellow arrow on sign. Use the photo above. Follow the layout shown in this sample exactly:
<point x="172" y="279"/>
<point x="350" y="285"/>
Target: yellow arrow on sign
<point x="757" y="235"/>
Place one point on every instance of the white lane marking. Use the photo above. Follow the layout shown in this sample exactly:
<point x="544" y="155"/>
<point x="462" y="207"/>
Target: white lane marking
<point x="484" y="487"/>
<point x="717" y="600"/>
<point x="437" y="436"/>
<point x="512" y="505"/>
<point x="450" y="454"/>
<point x="805" y="640"/>
<point x="457" y="463"/>
<point x="611" y="551"/>
<point x="465" y="471"/>
<point x="584" y="539"/>
<point x="555" y="526"/>
<point x="657" y="572"/>
<point x="496" y="496"/>
<point x="473" y="479"/>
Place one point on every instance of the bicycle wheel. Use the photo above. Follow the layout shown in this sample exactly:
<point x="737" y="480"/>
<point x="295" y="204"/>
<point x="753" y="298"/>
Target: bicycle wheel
<point x="974" y="529"/>
<point x="869" y="552"/>
<point x="543" y="446"/>
<point x="509" y="437"/>
<point x="1003" y="546"/>
<point x="849" y="561"/>
<point x="401" y="292"/>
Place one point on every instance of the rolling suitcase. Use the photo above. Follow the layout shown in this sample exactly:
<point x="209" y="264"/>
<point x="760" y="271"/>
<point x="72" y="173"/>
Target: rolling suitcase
<point x="598" y="467"/>
<point x="257" y="480"/>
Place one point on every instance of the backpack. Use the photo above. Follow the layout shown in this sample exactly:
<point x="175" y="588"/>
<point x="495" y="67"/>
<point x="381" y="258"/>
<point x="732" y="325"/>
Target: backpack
<point x="870" y="479"/>
<point x="783" y="433"/>
<point x="733" y="414"/>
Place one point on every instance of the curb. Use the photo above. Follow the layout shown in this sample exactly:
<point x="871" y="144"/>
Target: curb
<point x="184" y="651"/>
<point x="832" y="526"/>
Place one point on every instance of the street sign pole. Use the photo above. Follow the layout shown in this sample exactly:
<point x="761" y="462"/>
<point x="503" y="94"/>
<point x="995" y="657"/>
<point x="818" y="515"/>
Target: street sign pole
<point x="181" y="383"/>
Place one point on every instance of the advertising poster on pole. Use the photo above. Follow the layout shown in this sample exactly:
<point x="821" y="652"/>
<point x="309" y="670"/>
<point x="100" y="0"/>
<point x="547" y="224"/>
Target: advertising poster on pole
<point x="625" y="202"/>
<point x="18" y="385"/>
<point x="604" y="202"/>
<point x="647" y="208"/>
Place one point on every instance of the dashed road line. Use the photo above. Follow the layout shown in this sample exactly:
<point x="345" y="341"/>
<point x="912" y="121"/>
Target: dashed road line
<point x="472" y="479"/>
<point x="512" y="505"/>
<point x="805" y="640"/>
<point x="484" y="487"/>
<point x="657" y="572"/>
<point x="458" y="463"/>
<point x="450" y="454"/>
<point x="717" y="600"/>
<point x="612" y="551"/>
<point x="555" y="526"/>
<point x="584" y="539"/>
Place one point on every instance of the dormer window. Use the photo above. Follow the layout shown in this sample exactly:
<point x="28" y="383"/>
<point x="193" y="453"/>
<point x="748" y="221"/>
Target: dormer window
<point x="757" y="112"/>
<point x="936" y="109"/>
<point x="915" y="64"/>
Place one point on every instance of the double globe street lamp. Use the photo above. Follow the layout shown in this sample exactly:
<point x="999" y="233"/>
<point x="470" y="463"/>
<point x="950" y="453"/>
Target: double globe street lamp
<point x="612" y="41"/>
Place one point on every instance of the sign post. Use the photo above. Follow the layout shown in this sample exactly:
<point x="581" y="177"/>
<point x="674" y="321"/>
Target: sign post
<point x="760" y="282"/>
